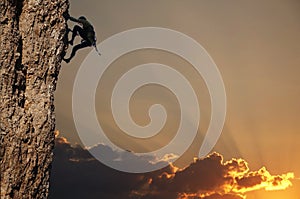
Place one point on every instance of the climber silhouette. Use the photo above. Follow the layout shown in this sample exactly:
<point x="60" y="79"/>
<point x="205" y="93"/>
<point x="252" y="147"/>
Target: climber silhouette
<point x="86" y="32"/>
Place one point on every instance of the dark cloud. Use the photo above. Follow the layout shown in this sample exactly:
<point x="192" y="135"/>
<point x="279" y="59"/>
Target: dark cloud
<point x="76" y="174"/>
<point x="128" y="160"/>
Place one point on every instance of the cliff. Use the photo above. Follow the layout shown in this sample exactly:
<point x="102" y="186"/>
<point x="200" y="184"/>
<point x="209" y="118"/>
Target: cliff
<point x="32" y="43"/>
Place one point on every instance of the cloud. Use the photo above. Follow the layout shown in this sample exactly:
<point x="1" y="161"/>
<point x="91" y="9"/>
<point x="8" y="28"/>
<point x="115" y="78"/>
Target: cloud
<point x="76" y="174"/>
<point x="212" y="178"/>
<point x="129" y="160"/>
<point x="262" y="179"/>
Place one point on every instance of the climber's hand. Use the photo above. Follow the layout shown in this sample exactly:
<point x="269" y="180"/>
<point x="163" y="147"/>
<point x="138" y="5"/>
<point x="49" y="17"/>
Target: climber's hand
<point x="66" y="15"/>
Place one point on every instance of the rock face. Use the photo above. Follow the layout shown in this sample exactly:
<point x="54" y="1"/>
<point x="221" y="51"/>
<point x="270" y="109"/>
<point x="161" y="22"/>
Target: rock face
<point x="32" y="42"/>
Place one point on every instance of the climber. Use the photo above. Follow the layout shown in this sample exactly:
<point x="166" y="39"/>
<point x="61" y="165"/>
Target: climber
<point x="86" y="32"/>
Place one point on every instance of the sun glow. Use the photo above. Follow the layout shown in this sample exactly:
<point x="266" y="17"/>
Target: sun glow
<point x="241" y="181"/>
<point x="263" y="180"/>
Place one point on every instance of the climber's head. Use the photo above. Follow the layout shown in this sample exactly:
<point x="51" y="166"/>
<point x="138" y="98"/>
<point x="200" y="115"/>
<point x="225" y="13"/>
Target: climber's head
<point x="82" y="17"/>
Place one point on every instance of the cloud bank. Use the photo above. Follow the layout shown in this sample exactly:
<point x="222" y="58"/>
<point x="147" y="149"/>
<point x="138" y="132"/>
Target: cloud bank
<point x="76" y="174"/>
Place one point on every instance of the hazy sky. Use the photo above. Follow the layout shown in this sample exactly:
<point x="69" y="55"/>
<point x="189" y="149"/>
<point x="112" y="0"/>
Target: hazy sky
<point x="255" y="45"/>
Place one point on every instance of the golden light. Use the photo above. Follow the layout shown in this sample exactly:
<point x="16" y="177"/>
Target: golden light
<point x="264" y="180"/>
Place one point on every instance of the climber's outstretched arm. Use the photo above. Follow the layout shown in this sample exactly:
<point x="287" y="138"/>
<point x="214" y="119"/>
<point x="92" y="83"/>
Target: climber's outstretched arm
<point x="73" y="19"/>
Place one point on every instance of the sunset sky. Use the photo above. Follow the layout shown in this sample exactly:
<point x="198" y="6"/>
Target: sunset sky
<point x="255" y="45"/>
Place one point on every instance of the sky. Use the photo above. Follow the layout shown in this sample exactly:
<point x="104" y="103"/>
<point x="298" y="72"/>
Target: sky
<point x="255" y="45"/>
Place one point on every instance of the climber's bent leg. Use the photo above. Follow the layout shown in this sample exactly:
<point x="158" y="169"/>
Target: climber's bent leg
<point x="76" y="30"/>
<point x="77" y="47"/>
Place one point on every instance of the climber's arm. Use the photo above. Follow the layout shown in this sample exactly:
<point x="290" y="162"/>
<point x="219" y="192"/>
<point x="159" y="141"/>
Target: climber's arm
<point x="74" y="19"/>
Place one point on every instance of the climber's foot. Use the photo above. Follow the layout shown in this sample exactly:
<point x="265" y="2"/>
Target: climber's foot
<point x="66" y="60"/>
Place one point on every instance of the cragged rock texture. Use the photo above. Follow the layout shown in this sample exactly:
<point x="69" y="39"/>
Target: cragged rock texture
<point x="31" y="46"/>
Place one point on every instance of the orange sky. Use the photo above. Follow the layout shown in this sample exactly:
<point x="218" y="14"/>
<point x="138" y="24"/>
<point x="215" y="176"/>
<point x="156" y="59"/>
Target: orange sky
<point x="255" y="44"/>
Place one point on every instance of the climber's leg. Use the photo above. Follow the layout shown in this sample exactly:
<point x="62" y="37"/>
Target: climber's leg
<point x="77" y="47"/>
